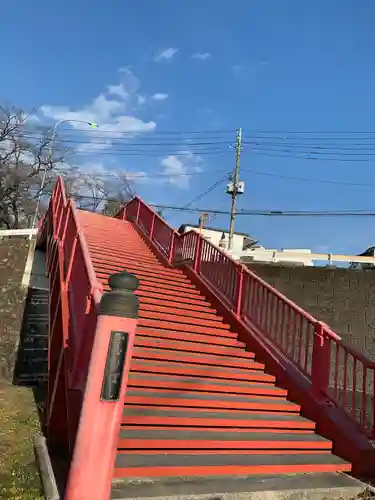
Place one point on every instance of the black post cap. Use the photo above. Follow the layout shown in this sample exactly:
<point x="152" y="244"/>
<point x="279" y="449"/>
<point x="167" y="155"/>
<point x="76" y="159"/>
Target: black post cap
<point x="123" y="281"/>
<point x="121" y="301"/>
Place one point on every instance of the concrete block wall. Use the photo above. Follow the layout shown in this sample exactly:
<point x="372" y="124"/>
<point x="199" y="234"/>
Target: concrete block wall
<point x="13" y="256"/>
<point x="342" y="298"/>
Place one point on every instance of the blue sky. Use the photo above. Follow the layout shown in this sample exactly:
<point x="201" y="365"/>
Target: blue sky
<point x="152" y="67"/>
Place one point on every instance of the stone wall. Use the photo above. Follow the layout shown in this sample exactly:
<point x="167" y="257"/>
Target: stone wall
<point x="342" y="298"/>
<point x="13" y="255"/>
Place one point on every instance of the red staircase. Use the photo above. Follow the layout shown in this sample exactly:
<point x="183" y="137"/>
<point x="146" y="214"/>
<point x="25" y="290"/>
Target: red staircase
<point x="223" y="375"/>
<point x="198" y="402"/>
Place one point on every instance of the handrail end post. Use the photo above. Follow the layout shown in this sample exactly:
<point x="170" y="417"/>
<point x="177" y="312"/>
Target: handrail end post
<point x="151" y="235"/>
<point x="94" y="455"/>
<point x="197" y="256"/>
<point x="138" y="210"/>
<point x="321" y="361"/>
<point x="239" y="291"/>
<point x="171" y="248"/>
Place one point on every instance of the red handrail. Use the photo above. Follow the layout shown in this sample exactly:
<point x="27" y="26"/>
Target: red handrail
<point x="335" y="369"/>
<point x="75" y="294"/>
<point x="79" y="341"/>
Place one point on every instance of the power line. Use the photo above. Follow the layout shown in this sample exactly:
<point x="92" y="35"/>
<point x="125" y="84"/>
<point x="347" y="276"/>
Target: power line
<point x="309" y="179"/>
<point x="286" y="143"/>
<point x="149" y="154"/>
<point x="312" y="151"/>
<point x="141" y="144"/>
<point x="316" y="158"/>
<point x="207" y="191"/>
<point x="133" y="176"/>
<point x="275" y="213"/>
<point x="137" y="132"/>
<point x="259" y="212"/>
<point x="311" y="132"/>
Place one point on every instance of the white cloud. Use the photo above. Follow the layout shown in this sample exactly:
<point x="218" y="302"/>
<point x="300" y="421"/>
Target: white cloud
<point x="201" y="56"/>
<point x="33" y="119"/>
<point x="159" y="97"/>
<point x="177" y="168"/>
<point x="118" y="90"/>
<point x="113" y="110"/>
<point x="166" y="54"/>
<point x="137" y="177"/>
<point x="141" y="99"/>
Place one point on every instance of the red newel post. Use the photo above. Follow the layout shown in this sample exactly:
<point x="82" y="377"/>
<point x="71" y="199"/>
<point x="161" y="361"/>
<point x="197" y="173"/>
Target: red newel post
<point x="321" y="361"/>
<point x="197" y="253"/>
<point x="239" y="291"/>
<point x="91" y="469"/>
<point x="138" y="210"/>
<point x="152" y="226"/>
<point x="171" y="248"/>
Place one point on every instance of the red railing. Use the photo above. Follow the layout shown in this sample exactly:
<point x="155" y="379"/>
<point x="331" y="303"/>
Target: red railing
<point x="80" y="345"/>
<point x="152" y="225"/>
<point x="335" y="370"/>
<point x="74" y="296"/>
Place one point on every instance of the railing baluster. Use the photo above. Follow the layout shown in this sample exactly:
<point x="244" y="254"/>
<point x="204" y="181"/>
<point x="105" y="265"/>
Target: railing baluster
<point x="354" y="388"/>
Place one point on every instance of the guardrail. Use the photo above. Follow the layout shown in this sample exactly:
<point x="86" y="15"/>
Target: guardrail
<point x="336" y="370"/>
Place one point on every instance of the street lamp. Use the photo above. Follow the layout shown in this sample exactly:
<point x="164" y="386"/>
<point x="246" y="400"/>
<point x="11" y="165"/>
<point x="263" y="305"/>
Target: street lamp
<point x="50" y="156"/>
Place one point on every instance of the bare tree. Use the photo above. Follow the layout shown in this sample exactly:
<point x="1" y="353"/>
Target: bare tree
<point x="113" y="205"/>
<point x="23" y="159"/>
<point x="100" y="193"/>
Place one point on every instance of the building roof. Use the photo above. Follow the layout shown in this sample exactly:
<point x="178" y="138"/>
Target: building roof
<point x="182" y="228"/>
<point x="368" y="253"/>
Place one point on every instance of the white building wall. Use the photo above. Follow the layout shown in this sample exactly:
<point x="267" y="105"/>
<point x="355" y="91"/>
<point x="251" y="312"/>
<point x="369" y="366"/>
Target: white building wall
<point x="215" y="237"/>
<point x="258" y="254"/>
<point x="262" y="254"/>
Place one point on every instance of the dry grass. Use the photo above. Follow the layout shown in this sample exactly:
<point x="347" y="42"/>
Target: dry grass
<point x="19" y="478"/>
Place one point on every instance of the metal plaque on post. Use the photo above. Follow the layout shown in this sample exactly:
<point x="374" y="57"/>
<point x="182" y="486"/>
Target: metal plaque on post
<point x="114" y="367"/>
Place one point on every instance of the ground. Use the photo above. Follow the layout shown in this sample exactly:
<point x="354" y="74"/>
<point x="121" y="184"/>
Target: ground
<point x="19" y="422"/>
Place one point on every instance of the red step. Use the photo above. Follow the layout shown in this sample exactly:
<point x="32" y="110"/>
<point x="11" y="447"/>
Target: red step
<point x="253" y="373"/>
<point x="141" y="270"/>
<point x="181" y="383"/>
<point x="212" y="322"/>
<point x="170" y="398"/>
<point x="139" y="438"/>
<point x="194" y="358"/>
<point x="175" y="299"/>
<point x="169" y="325"/>
<point x="189" y="337"/>
<point x="209" y="314"/>
<point x="191" y="347"/>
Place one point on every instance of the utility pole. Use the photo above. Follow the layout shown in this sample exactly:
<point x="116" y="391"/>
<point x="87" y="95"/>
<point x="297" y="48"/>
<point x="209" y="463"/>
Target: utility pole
<point x="234" y="191"/>
<point x="202" y="220"/>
